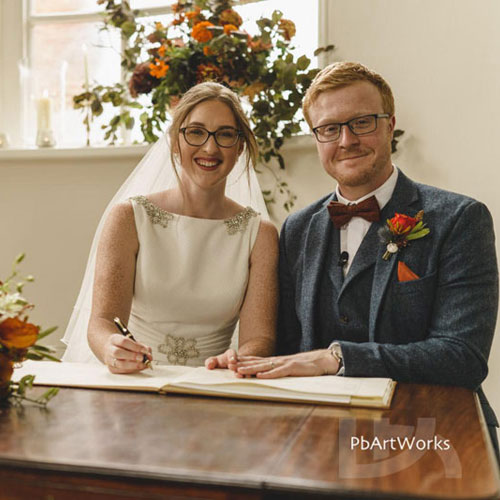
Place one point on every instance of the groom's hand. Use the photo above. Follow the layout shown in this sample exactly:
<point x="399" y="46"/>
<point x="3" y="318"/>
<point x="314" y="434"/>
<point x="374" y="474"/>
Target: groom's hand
<point x="304" y="364"/>
<point x="228" y="360"/>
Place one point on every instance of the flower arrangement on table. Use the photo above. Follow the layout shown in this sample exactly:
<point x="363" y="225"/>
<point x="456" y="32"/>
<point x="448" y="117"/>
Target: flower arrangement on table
<point x="18" y="340"/>
<point x="206" y="41"/>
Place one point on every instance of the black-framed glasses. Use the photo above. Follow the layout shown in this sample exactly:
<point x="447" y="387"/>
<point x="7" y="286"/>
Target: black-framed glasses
<point x="360" y="125"/>
<point x="225" y="137"/>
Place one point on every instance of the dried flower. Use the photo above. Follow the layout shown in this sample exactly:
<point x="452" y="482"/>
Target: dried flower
<point x="230" y="16"/>
<point x="257" y="45"/>
<point x="288" y="29"/>
<point x="208" y="72"/>
<point x="200" y="32"/>
<point x="142" y="82"/>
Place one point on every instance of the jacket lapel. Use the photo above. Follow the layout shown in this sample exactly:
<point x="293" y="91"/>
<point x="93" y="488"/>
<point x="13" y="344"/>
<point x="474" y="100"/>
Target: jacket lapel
<point x="405" y="194"/>
<point x="319" y="236"/>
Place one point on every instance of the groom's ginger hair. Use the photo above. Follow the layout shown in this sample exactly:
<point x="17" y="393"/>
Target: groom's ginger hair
<point x="343" y="74"/>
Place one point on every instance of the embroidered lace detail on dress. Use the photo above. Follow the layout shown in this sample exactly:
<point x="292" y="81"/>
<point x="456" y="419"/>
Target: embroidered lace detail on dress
<point x="156" y="214"/>
<point x="178" y="349"/>
<point x="239" y="222"/>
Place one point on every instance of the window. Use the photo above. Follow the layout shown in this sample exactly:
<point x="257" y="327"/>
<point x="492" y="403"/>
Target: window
<point x="51" y="47"/>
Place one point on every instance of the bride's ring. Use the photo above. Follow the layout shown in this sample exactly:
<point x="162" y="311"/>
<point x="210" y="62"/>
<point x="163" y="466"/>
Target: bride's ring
<point x="113" y="364"/>
<point x="273" y="366"/>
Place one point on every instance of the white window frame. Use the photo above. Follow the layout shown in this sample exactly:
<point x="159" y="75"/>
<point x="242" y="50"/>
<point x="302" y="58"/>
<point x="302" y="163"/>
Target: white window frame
<point x="15" y="29"/>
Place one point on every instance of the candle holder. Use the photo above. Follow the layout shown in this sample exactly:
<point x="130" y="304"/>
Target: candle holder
<point x="4" y="140"/>
<point x="45" y="139"/>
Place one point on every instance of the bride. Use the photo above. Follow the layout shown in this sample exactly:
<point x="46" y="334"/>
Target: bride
<point x="182" y="265"/>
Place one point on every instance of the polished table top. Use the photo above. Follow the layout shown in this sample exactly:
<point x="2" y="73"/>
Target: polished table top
<point x="251" y="446"/>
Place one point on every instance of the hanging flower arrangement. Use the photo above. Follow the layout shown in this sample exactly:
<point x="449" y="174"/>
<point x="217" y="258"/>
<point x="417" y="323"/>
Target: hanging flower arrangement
<point x="206" y="40"/>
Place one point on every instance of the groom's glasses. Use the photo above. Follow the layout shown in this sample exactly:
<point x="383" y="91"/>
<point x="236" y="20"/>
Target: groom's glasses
<point x="225" y="137"/>
<point x="361" y="125"/>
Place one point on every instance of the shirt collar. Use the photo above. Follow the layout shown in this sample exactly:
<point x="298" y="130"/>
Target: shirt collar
<point x="383" y="193"/>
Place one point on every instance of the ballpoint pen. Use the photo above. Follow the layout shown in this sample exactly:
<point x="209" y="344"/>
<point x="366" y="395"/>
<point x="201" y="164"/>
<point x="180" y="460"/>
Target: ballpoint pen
<point x="126" y="333"/>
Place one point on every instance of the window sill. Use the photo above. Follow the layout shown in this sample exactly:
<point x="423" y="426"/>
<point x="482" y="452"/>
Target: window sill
<point x="294" y="143"/>
<point x="136" y="151"/>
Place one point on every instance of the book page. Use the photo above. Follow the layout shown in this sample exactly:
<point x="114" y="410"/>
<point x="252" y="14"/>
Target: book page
<point x="325" y="385"/>
<point x="96" y="375"/>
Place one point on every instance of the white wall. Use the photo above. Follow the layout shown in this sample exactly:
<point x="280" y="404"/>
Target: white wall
<point x="442" y="59"/>
<point x="50" y="205"/>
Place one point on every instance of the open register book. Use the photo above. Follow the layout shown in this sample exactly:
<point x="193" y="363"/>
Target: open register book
<point x="371" y="392"/>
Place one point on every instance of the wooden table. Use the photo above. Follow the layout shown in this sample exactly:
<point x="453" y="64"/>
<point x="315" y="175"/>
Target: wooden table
<point x="113" y="445"/>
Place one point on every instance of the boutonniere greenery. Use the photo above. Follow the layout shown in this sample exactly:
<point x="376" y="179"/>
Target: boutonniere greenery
<point x="400" y="230"/>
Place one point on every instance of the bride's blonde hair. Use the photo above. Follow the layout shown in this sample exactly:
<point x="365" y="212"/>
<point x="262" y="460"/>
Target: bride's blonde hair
<point x="211" y="91"/>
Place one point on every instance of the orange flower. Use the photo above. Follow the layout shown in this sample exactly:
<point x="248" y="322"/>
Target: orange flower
<point x="193" y="13"/>
<point x="161" y="51"/>
<point x="178" y="20"/>
<point x="200" y="32"/>
<point x="158" y="70"/>
<point x="17" y="334"/>
<point x="228" y="28"/>
<point x="287" y="27"/>
<point x="401" y="223"/>
<point x="207" y="51"/>
<point x="159" y="26"/>
<point x="230" y="16"/>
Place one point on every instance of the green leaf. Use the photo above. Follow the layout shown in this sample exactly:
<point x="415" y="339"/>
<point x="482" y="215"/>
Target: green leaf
<point x="46" y="332"/>
<point x="419" y="234"/>
<point x="303" y="62"/>
<point x="128" y="28"/>
<point x="48" y="395"/>
<point x="276" y="16"/>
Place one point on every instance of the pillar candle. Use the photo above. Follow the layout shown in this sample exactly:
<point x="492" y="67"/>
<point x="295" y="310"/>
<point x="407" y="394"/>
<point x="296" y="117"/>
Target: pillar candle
<point x="44" y="112"/>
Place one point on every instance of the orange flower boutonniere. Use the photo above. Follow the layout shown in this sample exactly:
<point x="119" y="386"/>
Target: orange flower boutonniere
<point x="400" y="230"/>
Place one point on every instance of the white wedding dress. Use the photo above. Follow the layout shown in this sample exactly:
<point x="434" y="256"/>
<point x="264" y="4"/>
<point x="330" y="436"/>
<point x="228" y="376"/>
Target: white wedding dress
<point x="190" y="281"/>
<point x="191" y="278"/>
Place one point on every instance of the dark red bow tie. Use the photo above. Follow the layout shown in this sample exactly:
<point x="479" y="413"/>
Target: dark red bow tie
<point x="341" y="214"/>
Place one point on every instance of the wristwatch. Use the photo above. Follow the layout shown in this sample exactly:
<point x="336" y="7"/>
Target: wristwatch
<point x="336" y="352"/>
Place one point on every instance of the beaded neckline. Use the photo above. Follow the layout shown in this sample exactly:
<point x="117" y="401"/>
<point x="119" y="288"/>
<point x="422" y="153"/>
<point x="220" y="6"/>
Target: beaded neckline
<point x="236" y="223"/>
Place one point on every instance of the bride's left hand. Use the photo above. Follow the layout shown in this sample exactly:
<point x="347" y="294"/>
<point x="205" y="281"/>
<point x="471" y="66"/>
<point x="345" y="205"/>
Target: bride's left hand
<point x="228" y="359"/>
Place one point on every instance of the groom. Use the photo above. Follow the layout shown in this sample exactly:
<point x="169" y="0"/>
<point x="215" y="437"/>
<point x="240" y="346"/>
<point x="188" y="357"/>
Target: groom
<point x="362" y="304"/>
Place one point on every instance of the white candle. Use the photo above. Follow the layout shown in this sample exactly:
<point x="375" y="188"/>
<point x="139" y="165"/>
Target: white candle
<point x="44" y="112"/>
<point x="85" y="67"/>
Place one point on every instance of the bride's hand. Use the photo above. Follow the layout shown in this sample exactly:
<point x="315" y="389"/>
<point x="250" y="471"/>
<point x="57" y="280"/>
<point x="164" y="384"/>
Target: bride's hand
<point x="228" y="359"/>
<point x="123" y="355"/>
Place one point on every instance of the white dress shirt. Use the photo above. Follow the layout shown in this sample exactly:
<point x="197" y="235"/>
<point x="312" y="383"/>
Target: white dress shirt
<point x="352" y="233"/>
